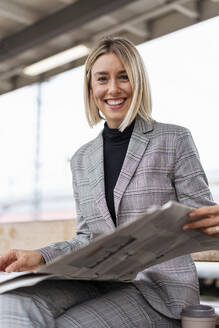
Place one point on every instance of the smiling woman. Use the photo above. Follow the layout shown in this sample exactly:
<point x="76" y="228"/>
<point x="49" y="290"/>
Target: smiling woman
<point x="135" y="162"/>
<point x="111" y="89"/>
<point x="115" y="71"/>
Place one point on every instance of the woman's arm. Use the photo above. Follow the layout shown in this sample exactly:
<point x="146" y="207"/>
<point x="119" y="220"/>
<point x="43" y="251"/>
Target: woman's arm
<point x="206" y="219"/>
<point x="192" y="187"/>
<point x="189" y="179"/>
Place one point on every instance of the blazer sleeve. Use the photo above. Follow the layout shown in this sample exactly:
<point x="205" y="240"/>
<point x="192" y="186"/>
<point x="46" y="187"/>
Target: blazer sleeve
<point x="190" y="181"/>
<point x="82" y="238"/>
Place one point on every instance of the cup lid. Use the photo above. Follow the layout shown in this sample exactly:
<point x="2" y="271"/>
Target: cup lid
<point x="198" y="311"/>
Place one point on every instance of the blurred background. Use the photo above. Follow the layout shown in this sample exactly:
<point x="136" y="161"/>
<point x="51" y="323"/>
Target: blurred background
<point x="42" y="120"/>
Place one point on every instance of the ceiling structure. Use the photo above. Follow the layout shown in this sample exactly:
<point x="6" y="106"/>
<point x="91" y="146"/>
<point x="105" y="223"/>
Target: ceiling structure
<point x="33" y="30"/>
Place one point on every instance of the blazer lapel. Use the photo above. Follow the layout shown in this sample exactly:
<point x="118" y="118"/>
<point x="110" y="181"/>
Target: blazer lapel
<point x="96" y="178"/>
<point x="137" y="146"/>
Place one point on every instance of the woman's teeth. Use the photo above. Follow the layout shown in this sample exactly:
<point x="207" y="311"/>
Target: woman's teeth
<point x="115" y="102"/>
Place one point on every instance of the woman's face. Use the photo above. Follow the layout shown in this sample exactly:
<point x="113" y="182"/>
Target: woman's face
<point x="111" y="89"/>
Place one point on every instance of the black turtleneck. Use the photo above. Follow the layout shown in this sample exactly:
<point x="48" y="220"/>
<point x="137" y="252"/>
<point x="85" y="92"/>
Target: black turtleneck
<point x="115" y="145"/>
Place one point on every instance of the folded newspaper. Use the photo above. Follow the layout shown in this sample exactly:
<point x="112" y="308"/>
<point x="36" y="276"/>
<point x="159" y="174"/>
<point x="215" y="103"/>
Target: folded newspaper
<point x="155" y="237"/>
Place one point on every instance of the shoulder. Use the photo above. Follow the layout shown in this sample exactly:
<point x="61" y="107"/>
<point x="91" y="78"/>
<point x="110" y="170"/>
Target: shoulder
<point x="175" y="137"/>
<point x="170" y="135"/>
<point x="173" y="129"/>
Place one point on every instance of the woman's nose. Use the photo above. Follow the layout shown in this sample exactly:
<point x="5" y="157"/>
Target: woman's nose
<point x="114" y="87"/>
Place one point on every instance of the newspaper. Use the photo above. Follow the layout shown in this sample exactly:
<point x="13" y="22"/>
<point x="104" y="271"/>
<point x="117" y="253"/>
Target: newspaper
<point x="155" y="237"/>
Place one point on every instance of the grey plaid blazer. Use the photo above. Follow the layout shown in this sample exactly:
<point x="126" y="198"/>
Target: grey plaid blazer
<point x="161" y="164"/>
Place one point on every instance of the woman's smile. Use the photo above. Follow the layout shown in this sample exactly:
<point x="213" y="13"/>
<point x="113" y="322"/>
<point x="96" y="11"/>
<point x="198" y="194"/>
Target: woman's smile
<point x="115" y="103"/>
<point x="111" y="88"/>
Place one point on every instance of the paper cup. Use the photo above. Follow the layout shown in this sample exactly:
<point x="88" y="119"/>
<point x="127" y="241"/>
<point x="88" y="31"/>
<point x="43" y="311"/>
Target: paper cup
<point x="198" y="316"/>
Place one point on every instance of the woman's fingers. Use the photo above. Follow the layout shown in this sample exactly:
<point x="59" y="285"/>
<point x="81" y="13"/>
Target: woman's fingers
<point x="16" y="266"/>
<point x="7" y="259"/>
<point x="202" y="223"/>
<point x="21" y="260"/>
<point x="206" y="219"/>
<point x="204" y="211"/>
<point x="211" y="231"/>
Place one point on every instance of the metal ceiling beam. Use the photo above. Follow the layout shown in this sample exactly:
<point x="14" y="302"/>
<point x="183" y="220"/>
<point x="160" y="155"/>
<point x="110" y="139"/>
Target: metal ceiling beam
<point x="70" y="17"/>
<point x="17" y="13"/>
<point x="67" y="2"/>
<point x="4" y="31"/>
<point x="209" y="7"/>
<point x="5" y="86"/>
<point x="8" y="74"/>
<point x="151" y="14"/>
<point x="187" y="12"/>
<point x="137" y="30"/>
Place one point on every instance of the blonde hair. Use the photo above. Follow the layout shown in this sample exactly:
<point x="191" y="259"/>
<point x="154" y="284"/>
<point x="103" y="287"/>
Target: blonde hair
<point x="141" y="100"/>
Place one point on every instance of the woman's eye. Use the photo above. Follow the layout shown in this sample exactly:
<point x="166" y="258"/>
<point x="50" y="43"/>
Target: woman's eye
<point x="102" y="79"/>
<point x="124" y="77"/>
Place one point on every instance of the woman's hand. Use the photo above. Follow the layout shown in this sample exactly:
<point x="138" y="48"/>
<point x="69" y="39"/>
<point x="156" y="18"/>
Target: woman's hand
<point x="21" y="260"/>
<point x="206" y="219"/>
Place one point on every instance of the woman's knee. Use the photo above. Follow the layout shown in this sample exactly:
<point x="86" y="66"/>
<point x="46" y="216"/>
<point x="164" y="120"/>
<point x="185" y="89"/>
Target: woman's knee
<point x="17" y="310"/>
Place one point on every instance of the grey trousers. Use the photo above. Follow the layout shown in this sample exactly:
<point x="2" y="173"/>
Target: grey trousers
<point x="79" y="304"/>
